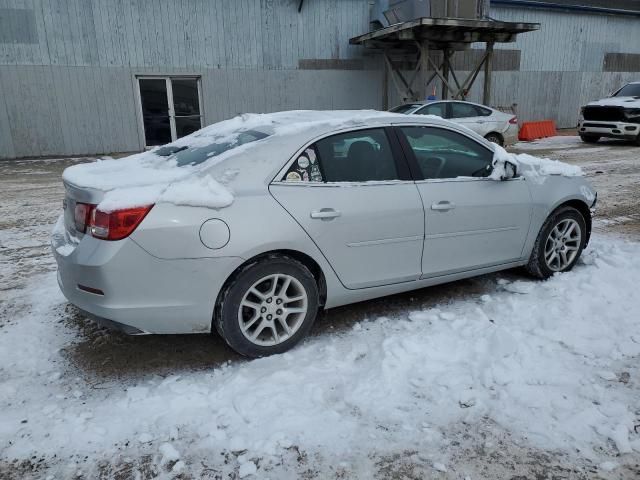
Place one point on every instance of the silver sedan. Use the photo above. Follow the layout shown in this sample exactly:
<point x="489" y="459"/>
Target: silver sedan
<point x="250" y="226"/>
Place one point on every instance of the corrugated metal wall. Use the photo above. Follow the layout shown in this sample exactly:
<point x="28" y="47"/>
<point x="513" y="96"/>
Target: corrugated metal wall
<point x="70" y="88"/>
<point x="68" y="67"/>
<point x="562" y="64"/>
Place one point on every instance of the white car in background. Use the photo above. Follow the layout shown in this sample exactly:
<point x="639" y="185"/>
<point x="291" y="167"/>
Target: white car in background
<point x="617" y="116"/>
<point x="494" y="125"/>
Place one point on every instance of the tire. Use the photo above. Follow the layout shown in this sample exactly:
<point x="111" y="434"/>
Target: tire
<point x="495" y="138"/>
<point x="637" y="141"/>
<point x="251" y="314"/>
<point x="547" y="243"/>
<point x="589" y="138"/>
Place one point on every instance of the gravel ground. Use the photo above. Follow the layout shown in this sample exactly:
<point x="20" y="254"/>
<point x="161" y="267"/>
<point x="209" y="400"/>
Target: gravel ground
<point x="31" y="193"/>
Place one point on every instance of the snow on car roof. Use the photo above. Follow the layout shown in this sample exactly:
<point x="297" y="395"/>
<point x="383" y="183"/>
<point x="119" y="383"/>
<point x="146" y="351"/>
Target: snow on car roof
<point x="244" y="153"/>
<point x="159" y="176"/>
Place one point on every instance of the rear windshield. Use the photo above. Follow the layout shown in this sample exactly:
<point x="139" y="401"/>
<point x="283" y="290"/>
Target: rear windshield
<point x="185" y="155"/>
<point x="631" y="90"/>
<point x="405" y="108"/>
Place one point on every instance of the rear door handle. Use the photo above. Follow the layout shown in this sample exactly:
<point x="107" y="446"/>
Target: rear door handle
<point x="444" y="206"/>
<point x="325" y="213"/>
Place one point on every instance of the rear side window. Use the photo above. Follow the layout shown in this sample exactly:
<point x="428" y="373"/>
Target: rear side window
<point x="359" y="156"/>
<point x="439" y="109"/>
<point x="442" y="153"/>
<point x="464" y="110"/>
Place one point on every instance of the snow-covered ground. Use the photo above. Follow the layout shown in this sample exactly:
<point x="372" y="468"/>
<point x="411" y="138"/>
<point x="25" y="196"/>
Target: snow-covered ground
<point x="496" y="377"/>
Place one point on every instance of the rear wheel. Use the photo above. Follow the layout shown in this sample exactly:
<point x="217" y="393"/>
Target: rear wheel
<point x="589" y="138"/>
<point x="268" y="307"/>
<point x="559" y="244"/>
<point x="495" y="138"/>
<point x="637" y="140"/>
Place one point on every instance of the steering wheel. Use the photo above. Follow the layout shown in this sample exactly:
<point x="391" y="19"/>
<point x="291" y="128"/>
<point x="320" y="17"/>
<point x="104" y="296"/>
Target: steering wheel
<point x="441" y="161"/>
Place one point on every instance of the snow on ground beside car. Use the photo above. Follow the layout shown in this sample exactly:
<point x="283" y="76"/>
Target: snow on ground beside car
<point x="556" y="143"/>
<point x="549" y="362"/>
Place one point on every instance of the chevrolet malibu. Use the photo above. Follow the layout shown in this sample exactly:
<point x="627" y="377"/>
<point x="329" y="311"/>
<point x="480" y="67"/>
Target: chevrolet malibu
<point x="252" y="225"/>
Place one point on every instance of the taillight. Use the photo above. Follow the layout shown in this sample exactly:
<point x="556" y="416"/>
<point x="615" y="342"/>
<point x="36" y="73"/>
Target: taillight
<point x="118" y="224"/>
<point x="514" y="121"/>
<point x="82" y="216"/>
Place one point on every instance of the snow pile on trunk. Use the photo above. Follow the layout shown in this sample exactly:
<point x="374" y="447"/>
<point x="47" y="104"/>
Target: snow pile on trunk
<point x="548" y="362"/>
<point x="147" y="177"/>
<point x="530" y="166"/>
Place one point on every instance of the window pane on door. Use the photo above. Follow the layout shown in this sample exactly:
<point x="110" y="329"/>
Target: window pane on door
<point x="360" y="156"/>
<point x="185" y="96"/>
<point x="186" y="105"/>
<point x="441" y="153"/>
<point x="155" y="111"/>
<point x="187" y="125"/>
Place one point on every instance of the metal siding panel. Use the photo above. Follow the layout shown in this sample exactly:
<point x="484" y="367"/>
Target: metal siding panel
<point x="6" y="137"/>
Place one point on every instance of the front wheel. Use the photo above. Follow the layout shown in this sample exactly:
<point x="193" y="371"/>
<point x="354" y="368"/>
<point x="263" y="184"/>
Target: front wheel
<point x="559" y="244"/>
<point x="268" y="307"/>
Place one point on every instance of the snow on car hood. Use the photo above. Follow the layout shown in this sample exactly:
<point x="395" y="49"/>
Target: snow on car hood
<point x="152" y="177"/>
<point x="531" y="167"/>
<point x="627" y="102"/>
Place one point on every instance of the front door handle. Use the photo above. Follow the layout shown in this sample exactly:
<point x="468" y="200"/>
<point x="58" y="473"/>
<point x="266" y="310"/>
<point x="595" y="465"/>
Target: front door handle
<point x="443" y="206"/>
<point x="325" y="213"/>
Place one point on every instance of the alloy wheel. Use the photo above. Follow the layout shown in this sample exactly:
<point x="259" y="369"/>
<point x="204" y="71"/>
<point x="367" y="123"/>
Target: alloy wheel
<point x="272" y="310"/>
<point x="562" y="245"/>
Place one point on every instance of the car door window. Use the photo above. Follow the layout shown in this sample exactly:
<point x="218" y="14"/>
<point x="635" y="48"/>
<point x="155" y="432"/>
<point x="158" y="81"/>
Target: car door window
<point x="438" y="109"/>
<point x="359" y="156"/>
<point x="442" y="153"/>
<point x="463" y="110"/>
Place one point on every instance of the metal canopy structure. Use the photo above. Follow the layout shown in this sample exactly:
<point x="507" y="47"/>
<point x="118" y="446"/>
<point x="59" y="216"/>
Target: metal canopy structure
<point x="407" y="46"/>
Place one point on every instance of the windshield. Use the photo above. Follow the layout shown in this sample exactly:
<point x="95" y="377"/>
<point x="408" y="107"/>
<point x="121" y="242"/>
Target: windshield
<point x="631" y="90"/>
<point x="185" y="155"/>
<point x="405" y="108"/>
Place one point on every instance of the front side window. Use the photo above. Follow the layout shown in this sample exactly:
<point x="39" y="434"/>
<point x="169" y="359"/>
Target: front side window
<point x="442" y="153"/>
<point x="463" y="110"/>
<point x="359" y="156"/>
<point x="439" y="109"/>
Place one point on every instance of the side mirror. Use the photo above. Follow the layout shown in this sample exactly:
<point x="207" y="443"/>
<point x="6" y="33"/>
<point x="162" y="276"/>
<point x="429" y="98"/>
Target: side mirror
<point x="510" y="171"/>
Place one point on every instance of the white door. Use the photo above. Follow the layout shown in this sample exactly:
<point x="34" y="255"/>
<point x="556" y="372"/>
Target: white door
<point x="470" y="221"/>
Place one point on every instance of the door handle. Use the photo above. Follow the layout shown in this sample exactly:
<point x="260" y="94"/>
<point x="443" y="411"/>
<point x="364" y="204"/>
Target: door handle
<point x="325" y="213"/>
<point x="443" y="206"/>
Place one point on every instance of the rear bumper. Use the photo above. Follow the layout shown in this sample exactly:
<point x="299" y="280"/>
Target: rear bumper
<point x="626" y="131"/>
<point x="128" y="286"/>
<point x="511" y="134"/>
